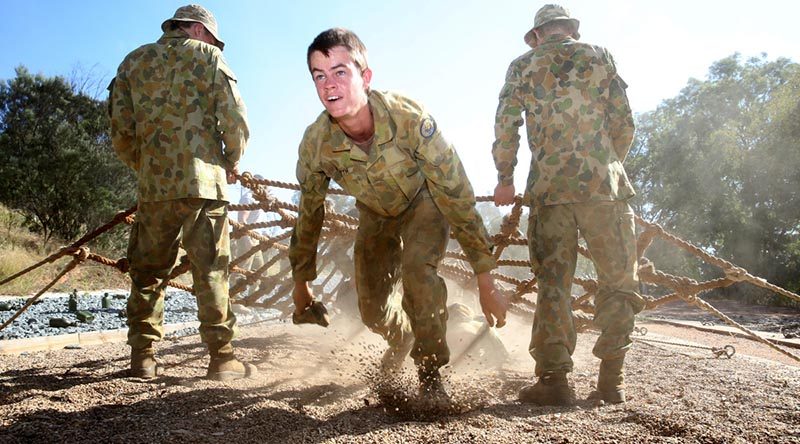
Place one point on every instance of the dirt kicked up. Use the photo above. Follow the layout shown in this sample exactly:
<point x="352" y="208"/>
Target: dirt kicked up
<point x="319" y="385"/>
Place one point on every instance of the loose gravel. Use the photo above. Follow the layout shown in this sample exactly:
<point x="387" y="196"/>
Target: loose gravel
<point x="319" y="385"/>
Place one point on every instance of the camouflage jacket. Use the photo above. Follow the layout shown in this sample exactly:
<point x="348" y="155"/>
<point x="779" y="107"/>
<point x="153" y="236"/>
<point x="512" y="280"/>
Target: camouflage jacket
<point x="177" y="118"/>
<point x="408" y="151"/>
<point x="579" y="123"/>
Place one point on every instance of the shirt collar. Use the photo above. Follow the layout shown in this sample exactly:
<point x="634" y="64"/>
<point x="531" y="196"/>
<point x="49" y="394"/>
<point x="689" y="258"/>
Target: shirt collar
<point x="384" y="129"/>
<point x="384" y="125"/>
<point x="172" y="34"/>
<point x="557" y="38"/>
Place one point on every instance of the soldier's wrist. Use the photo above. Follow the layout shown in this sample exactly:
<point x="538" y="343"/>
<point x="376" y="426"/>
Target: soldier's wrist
<point x="505" y="181"/>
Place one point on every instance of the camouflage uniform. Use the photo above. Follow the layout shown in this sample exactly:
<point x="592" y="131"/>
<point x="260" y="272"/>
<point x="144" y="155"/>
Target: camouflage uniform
<point x="410" y="190"/>
<point x="579" y="128"/>
<point x="177" y="120"/>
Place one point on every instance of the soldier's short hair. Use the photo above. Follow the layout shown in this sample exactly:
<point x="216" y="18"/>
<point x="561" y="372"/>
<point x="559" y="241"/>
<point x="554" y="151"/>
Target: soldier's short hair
<point x="334" y="37"/>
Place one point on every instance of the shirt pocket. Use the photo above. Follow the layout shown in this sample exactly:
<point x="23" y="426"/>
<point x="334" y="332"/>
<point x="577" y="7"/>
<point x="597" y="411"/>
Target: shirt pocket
<point x="396" y="179"/>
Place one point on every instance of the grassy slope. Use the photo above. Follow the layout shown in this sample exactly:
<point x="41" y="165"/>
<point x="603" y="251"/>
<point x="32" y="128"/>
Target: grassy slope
<point x="19" y="248"/>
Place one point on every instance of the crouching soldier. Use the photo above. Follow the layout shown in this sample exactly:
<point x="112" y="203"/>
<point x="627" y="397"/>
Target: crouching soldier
<point x="410" y="189"/>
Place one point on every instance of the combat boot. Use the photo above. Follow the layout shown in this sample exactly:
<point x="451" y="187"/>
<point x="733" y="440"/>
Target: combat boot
<point x="143" y="363"/>
<point x="552" y="388"/>
<point x="224" y="366"/>
<point x="610" y="382"/>
<point x="430" y="385"/>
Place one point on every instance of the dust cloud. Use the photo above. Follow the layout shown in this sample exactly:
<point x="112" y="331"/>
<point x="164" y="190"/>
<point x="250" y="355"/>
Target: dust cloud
<point x="483" y="362"/>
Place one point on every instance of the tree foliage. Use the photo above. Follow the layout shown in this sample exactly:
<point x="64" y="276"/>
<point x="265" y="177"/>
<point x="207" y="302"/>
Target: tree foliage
<point x="57" y="167"/>
<point x="719" y="165"/>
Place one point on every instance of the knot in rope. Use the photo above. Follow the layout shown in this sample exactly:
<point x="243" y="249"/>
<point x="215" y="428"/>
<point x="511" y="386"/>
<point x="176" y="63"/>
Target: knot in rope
<point x="81" y="254"/>
<point x="122" y="265"/>
<point x="646" y="266"/>
<point x="736" y="274"/>
<point x="686" y="286"/>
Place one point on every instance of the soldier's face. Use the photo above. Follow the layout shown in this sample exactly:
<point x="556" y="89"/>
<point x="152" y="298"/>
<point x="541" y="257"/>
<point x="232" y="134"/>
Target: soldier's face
<point x="341" y="85"/>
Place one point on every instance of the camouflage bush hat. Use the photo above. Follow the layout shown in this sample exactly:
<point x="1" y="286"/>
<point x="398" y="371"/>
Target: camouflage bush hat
<point x="195" y="13"/>
<point x="546" y="14"/>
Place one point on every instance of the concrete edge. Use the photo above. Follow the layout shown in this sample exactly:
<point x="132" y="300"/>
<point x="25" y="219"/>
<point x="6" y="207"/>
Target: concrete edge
<point x="724" y="329"/>
<point x="57" y="342"/>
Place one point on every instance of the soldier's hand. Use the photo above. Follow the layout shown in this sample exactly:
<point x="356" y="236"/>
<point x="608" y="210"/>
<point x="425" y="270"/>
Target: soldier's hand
<point x="302" y="297"/>
<point x="504" y="194"/>
<point x="493" y="304"/>
<point x="230" y="175"/>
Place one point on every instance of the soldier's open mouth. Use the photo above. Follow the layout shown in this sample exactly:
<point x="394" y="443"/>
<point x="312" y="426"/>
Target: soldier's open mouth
<point x="333" y="98"/>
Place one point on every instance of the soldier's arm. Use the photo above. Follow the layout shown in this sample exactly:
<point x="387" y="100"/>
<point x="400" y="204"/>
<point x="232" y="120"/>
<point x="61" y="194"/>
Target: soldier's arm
<point x="310" y="216"/>
<point x="508" y="119"/>
<point x="231" y="116"/>
<point x="620" y="116"/>
<point x="452" y="192"/>
<point x="123" y="125"/>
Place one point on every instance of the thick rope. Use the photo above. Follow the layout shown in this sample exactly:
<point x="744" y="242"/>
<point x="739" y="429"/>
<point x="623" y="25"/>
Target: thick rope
<point x="693" y="299"/>
<point x="343" y="227"/>
<point x="79" y="256"/>
<point x="123" y="216"/>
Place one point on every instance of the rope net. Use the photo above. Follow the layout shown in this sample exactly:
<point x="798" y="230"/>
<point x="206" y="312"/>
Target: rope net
<point x="267" y="283"/>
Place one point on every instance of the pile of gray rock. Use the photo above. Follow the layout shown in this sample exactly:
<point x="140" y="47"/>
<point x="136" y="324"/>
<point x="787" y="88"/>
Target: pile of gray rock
<point x="78" y="312"/>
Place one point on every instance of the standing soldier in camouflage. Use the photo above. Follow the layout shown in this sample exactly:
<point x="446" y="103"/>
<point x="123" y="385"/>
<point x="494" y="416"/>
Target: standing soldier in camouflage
<point x="177" y="120"/>
<point x="410" y="189"/>
<point x="579" y="128"/>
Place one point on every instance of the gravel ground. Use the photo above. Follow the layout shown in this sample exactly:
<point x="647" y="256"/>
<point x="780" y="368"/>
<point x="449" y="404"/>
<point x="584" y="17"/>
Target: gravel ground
<point x="319" y="385"/>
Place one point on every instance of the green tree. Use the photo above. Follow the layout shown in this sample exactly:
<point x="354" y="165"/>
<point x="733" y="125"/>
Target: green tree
<point x="718" y="165"/>
<point x="57" y="167"/>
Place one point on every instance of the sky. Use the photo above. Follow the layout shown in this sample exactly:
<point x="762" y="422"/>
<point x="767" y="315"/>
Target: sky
<point x="450" y="55"/>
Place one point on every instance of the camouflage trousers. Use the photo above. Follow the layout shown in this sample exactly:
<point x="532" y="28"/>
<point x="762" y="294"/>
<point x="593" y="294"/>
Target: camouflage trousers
<point x="609" y="231"/>
<point x="201" y="227"/>
<point x="407" y="247"/>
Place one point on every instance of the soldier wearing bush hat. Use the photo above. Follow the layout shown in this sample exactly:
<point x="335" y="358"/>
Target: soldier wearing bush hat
<point x="547" y="14"/>
<point x="184" y="151"/>
<point x="197" y="14"/>
<point x="579" y="128"/>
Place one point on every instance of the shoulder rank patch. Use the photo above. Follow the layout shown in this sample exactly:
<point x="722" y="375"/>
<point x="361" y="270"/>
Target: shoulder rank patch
<point x="427" y="127"/>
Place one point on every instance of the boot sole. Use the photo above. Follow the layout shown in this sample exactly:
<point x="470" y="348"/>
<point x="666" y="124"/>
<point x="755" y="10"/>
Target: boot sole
<point x="144" y="373"/>
<point x="250" y="371"/>
<point x="608" y="398"/>
<point x="558" y="401"/>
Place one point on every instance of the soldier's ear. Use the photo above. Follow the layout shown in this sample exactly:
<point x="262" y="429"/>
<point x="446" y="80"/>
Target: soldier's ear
<point x="536" y="37"/>
<point x="366" y="76"/>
